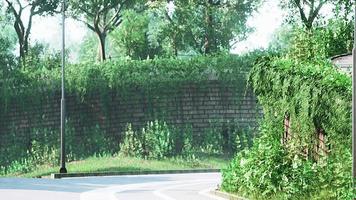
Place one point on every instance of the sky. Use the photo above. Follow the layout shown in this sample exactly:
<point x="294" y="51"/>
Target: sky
<point x="268" y="18"/>
<point x="266" y="21"/>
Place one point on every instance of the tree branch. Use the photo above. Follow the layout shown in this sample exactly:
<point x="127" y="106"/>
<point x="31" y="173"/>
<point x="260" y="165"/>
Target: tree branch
<point x="87" y="24"/>
<point x="114" y="18"/>
<point x="301" y="11"/>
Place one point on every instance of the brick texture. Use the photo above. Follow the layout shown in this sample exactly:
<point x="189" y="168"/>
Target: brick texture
<point x="189" y="104"/>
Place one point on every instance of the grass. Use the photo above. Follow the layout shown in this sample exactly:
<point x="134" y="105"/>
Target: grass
<point x="128" y="164"/>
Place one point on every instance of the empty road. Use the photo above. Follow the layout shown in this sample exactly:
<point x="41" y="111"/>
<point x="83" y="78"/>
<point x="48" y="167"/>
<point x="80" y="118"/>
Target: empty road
<point x="142" y="187"/>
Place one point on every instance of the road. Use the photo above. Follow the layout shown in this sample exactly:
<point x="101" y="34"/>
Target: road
<point x="141" y="187"/>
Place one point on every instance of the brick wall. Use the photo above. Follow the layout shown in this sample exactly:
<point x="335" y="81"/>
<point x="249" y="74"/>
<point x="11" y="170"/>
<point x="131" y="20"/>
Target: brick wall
<point x="201" y="106"/>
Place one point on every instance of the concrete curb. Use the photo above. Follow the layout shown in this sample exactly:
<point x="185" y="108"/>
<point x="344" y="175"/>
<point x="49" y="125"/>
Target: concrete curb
<point x="227" y="195"/>
<point x="90" y="174"/>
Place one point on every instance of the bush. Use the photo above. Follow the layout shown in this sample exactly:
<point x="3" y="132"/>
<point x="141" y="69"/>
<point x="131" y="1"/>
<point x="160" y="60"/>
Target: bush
<point x="225" y="138"/>
<point x="315" y="96"/>
<point x="132" y="143"/>
<point x="43" y="148"/>
<point x="158" y="140"/>
<point x="155" y="141"/>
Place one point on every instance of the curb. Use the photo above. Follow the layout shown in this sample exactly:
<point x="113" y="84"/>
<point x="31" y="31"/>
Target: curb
<point x="227" y="195"/>
<point x="90" y="174"/>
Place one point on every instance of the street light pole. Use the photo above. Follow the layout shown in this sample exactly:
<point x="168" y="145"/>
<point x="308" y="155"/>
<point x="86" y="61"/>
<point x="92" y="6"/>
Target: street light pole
<point x="63" y="115"/>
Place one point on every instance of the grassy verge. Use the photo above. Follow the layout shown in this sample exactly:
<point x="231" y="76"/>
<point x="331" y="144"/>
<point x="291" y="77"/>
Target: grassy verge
<point x="128" y="164"/>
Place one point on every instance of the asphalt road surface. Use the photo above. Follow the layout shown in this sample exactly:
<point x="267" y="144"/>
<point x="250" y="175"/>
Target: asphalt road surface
<point x="143" y="187"/>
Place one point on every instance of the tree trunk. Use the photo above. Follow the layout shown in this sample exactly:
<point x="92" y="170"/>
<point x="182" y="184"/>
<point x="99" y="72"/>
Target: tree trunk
<point x="18" y="26"/>
<point x="175" y="45"/>
<point x="308" y="25"/>
<point x="209" y="34"/>
<point x="102" y="53"/>
<point x="22" y="49"/>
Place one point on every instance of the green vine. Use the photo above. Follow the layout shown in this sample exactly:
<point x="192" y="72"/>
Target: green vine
<point x="315" y="96"/>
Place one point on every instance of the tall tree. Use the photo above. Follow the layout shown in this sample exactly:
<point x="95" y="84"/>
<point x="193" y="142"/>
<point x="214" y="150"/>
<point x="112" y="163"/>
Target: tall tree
<point x="100" y="16"/>
<point x="131" y="38"/>
<point x="209" y="26"/>
<point x="308" y="11"/>
<point x="23" y="13"/>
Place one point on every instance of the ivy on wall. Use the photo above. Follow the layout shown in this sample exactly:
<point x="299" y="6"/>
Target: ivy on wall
<point x="150" y="75"/>
<point x="162" y="84"/>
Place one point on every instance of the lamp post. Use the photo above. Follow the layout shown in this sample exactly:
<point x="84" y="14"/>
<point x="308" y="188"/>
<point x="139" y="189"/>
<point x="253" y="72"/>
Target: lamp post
<point x="63" y="115"/>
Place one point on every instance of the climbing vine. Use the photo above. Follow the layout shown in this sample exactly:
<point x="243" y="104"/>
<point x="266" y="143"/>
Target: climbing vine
<point x="124" y="75"/>
<point x="315" y="96"/>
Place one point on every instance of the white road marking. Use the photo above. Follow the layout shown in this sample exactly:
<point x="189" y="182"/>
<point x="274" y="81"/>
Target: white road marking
<point x="160" y="194"/>
<point x="108" y="193"/>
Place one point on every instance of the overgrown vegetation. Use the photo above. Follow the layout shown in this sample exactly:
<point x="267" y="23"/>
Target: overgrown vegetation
<point x="300" y="85"/>
<point x="316" y="97"/>
<point x="156" y="141"/>
<point x="151" y="75"/>
<point x="19" y="156"/>
<point x="109" y="163"/>
<point x="159" y="140"/>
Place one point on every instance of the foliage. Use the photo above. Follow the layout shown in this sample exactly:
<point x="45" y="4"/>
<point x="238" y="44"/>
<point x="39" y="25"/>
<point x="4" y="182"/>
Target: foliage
<point x="309" y="12"/>
<point x="322" y="42"/>
<point x="159" y="140"/>
<point x="101" y="17"/>
<point x="39" y="55"/>
<point x="156" y="141"/>
<point x="338" y="36"/>
<point x="25" y="86"/>
<point x="105" y="163"/>
<point x="43" y="149"/>
<point x="132" y="143"/>
<point x="225" y="138"/>
<point x="315" y="96"/>
<point x="206" y="26"/>
<point x="132" y="38"/>
<point x="7" y="45"/>
<point x="88" y="49"/>
<point x="267" y="170"/>
<point x="86" y="78"/>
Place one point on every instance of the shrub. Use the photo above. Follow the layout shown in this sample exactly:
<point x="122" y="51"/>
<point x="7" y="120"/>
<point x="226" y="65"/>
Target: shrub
<point x="156" y="140"/>
<point x="43" y="148"/>
<point x="132" y="143"/>
<point x="315" y="96"/>
<point x="225" y="138"/>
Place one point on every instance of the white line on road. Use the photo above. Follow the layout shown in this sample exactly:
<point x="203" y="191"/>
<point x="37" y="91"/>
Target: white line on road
<point x="109" y="192"/>
<point x="159" y="193"/>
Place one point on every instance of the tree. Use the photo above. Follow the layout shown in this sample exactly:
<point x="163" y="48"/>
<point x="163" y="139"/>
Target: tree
<point x="137" y="37"/>
<point x="88" y="49"/>
<point x="208" y="26"/>
<point x="317" y="40"/>
<point x="308" y="11"/>
<point x="17" y="8"/>
<point x="131" y="38"/>
<point x="100" y="16"/>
